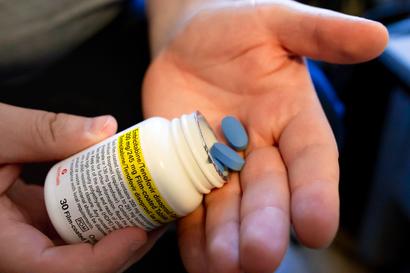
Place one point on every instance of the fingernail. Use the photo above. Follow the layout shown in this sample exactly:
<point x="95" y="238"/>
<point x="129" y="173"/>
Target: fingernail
<point x="98" y="125"/>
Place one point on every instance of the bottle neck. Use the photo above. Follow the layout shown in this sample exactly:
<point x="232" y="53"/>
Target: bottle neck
<point x="193" y="138"/>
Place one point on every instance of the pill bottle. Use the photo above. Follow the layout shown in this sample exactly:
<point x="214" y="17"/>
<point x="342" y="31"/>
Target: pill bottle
<point x="146" y="176"/>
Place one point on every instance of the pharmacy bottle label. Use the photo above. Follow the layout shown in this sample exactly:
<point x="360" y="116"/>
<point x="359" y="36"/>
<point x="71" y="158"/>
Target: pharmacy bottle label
<point x="139" y="180"/>
<point x="109" y="187"/>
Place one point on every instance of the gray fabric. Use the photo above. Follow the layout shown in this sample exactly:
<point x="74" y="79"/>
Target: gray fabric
<point x="37" y="32"/>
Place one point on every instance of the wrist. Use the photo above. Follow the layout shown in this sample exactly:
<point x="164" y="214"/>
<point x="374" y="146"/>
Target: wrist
<point x="165" y="16"/>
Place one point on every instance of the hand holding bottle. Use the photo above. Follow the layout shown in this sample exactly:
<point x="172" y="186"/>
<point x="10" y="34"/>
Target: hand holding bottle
<point x="28" y="243"/>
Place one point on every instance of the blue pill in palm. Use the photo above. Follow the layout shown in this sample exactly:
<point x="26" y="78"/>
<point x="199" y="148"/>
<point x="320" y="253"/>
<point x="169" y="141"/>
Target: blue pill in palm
<point x="221" y="167"/>
<point x="234" y="133"/>
<point x="227" y="156"/>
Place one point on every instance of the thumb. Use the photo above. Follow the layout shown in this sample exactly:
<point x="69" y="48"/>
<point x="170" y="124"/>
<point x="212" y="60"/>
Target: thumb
<point x="323" y="34"/>
<point x="34" y="135"/>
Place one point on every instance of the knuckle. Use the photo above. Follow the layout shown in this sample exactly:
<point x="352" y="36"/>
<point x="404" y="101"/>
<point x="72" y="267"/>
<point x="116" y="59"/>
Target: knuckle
<point x="46" y="128"/>
<point x="42" y="127"/>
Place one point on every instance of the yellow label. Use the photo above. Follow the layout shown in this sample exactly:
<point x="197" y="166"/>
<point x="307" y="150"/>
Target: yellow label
<point x="139" y="180"/>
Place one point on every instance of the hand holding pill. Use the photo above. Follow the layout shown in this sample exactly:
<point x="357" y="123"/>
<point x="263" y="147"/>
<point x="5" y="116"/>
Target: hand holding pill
<point x="236" y="136"/>
<point x="244" y="59"/>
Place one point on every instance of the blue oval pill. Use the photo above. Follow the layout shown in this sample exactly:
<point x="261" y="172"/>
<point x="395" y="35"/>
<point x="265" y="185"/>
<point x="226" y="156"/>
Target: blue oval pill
<point x="221" y="167"/>
<point x="227" y="156"/>
<point x="234" y="133"/>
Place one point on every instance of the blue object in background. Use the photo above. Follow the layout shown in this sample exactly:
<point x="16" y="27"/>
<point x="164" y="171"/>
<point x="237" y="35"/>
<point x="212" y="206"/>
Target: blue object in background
<point x="396" y="57"/>
<point x="384" y="233"/>
<point x="332" y="105"/>
<point x="138" y="7"/>
<point x="325" y="90"/>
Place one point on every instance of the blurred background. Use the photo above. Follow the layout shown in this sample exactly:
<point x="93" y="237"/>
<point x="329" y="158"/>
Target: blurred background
<point x="368" y="106"/>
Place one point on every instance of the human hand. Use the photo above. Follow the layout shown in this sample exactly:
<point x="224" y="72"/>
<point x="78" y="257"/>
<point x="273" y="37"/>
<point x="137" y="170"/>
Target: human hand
<point x="243" y="58"/>
<point x="28" y="243"/>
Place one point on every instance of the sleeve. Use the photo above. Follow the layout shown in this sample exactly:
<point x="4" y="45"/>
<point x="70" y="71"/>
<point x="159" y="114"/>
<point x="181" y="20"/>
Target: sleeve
<point x="34" y="33"/>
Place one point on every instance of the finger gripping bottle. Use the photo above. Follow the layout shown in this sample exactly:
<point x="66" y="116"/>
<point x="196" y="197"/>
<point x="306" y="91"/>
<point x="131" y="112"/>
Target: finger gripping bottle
<point x="145" y="176"/>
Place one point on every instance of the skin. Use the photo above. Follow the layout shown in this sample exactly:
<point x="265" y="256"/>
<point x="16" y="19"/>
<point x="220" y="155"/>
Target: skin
<point x="244" y="58"/>
<point x="28" y="242"/>
<point x="239" y="58"/>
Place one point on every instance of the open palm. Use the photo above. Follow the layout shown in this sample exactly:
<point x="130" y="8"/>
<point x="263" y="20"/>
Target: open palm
<point x="244" y="59"/>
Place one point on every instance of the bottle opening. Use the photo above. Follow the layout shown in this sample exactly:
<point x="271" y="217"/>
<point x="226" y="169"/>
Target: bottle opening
<point x="209" y="139"/>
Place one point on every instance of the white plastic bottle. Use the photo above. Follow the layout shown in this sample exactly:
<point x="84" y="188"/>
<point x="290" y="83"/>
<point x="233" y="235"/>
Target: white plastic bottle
<point x="145" y="176"/>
